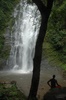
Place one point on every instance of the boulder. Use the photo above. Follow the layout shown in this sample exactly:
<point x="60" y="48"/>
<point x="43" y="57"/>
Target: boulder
<point x="56" y="94"/>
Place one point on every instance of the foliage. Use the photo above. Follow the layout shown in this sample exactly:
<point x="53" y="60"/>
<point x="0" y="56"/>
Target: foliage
<point x="52" y="55"/>
<point x="56" y="33"/>
<point x="1" y="42"/>
<point x="10" y="92"/>
<point x="6" y="10"/>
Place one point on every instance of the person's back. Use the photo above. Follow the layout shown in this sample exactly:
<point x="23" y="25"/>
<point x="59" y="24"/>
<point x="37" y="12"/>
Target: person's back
<point x="52" y="82"/>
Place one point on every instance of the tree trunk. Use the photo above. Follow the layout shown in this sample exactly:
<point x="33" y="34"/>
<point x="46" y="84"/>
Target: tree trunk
<point x="45" y="12"/>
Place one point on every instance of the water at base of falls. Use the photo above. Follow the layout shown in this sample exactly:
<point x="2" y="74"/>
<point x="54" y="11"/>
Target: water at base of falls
<point x="23" y="37"/>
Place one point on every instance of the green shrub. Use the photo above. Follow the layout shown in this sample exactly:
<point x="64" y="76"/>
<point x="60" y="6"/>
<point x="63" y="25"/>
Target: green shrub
<point x="56" y="33"/>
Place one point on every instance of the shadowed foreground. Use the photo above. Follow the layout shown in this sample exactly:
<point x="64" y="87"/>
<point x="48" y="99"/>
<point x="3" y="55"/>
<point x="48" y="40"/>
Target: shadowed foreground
<point x="56" y="94"/>
<point x="9" y="91"/>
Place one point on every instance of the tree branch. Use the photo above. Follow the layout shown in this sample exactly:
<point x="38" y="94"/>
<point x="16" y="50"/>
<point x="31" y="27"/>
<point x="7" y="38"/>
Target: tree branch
<point x="45" y="12"/>
<point x="42" y="8"/>
<point x="49" y="6"/>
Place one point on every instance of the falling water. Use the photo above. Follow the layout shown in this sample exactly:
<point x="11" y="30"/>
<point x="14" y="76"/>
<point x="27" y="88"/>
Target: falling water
<point x="23" y="37"/>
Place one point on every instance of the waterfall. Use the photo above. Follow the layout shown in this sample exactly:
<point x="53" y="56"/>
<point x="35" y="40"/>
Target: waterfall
<point x="23" y="37"/>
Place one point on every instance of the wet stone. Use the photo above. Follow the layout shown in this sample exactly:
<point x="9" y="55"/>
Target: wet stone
<point x="56" y="94"/>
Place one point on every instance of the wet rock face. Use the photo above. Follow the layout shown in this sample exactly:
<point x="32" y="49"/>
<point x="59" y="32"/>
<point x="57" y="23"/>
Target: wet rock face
<point x="64" y="74"/>
<point x="56" y="94"/>
<point x="5" y="50"/>
<point x="2" y="63"/>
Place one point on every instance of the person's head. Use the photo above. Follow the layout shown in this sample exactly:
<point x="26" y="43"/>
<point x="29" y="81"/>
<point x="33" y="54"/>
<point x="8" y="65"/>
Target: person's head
<point x="53" y="76"/>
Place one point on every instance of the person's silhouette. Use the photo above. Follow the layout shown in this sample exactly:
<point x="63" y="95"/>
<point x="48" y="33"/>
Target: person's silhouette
<point x="53" y="82"/>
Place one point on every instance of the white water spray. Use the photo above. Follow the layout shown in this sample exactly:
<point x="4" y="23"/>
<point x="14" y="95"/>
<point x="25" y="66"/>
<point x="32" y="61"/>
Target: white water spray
<point x="23" y="37"/>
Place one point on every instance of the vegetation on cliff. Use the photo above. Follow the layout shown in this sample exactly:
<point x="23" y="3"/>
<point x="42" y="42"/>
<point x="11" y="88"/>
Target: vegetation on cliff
<point x="56" y="33"/>
<point x="6" y="8"/>
<point x="6" y="19"/>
